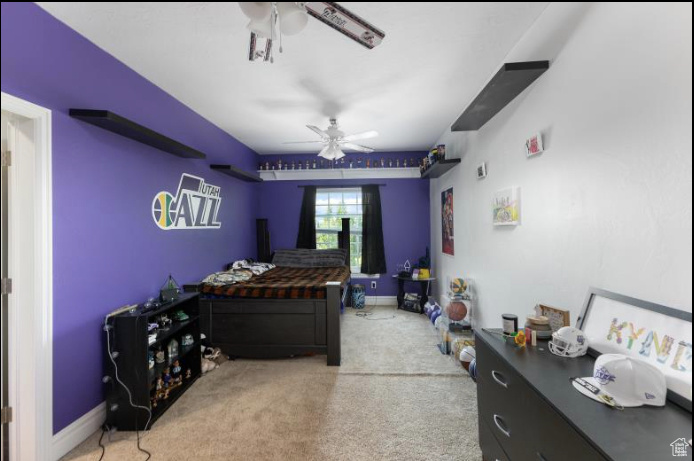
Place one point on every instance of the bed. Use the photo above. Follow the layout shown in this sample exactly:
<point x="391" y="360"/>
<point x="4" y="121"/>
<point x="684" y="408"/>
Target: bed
<point x="292" y="309"/>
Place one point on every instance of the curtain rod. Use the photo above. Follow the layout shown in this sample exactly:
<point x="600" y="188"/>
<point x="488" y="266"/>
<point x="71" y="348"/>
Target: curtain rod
<point x="343" y="186"/>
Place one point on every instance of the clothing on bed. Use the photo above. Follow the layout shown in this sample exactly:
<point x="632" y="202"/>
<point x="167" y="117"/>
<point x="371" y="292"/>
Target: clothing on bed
<point x="309" y="258"/>
<point x="282" y="283"/>
<point x="238" y="271"/>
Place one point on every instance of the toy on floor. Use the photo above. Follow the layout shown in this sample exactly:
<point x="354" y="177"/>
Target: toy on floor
<point x="467" y="355"/>
<point x="212" y="358"/>
<point x="473" y="370"/>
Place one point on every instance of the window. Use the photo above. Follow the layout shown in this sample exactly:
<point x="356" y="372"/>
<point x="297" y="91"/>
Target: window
<point x="331" y="206"/>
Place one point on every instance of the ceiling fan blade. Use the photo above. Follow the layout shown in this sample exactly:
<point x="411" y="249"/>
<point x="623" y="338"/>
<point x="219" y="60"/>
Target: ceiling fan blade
<point x="322" y="152"/>
<point x="357" y="147"/>
<point x="318" y="131"/>
<point x="303" y="142"/>
<point x="344" y="21"/>
<point x="358" y="136"/>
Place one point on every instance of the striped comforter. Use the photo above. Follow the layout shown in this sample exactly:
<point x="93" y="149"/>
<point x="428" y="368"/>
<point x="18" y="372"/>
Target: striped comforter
<point x="282" y="283"/>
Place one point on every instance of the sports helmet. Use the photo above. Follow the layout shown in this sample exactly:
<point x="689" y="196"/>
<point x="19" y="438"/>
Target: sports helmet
<point x="568" y="342"/>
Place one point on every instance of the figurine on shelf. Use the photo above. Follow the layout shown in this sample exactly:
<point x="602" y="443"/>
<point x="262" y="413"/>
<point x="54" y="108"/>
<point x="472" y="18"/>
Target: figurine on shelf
<point x="160" y="356"/>
<point x="390" y="163"/>
<point x="351" y="163"/>
<point x="260" y="166"/>
<point x="166" y="377"/>
<point x="397" y="163"/>
<point x="368" y="163"/>
<point x="342" y="162"/>
<point x="279" y="164"/>
<point x="314" y="164"/>
<point x="307" y="165"/>
<point x="176" y="368"/>
<point x="160" y="385"/>
<point x="189" y="373"/>
<point x="383" y="163"/>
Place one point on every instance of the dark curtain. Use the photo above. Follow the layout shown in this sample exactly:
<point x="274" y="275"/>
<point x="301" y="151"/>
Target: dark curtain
<point x="373" y="257"/>
<point x="307" y="220"/>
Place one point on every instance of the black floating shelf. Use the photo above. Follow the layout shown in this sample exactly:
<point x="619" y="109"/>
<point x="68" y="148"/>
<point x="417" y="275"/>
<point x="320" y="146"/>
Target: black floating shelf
<point x="124" y="127"/>
<point x="440" y="167"/>
<point x="236" y="173"/>
<point x="508" y="83"/>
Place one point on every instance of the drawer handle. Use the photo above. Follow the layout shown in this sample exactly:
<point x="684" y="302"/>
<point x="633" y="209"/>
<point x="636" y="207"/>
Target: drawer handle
<point x="499" y="378"/>
<point x="501" y="426"/>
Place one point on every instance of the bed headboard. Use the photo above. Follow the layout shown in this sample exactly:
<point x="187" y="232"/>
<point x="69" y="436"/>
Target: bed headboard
<point x="265" y="250"/>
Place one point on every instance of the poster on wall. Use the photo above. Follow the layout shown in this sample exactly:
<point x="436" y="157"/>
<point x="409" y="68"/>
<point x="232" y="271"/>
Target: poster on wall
<point x="447" y="222"/>
<point x="195" y="205"/>
<point x="506" y="207"/>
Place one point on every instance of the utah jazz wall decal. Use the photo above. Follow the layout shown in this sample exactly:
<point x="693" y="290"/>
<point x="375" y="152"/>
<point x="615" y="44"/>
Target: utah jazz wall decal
<point x="195" y="206"/>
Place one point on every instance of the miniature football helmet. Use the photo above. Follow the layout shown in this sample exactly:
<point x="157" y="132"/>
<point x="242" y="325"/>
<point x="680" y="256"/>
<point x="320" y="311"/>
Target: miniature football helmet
<point x="568" y="342"/>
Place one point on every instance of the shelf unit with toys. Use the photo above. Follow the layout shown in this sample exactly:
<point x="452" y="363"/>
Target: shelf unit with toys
<point x="155" y="363"/>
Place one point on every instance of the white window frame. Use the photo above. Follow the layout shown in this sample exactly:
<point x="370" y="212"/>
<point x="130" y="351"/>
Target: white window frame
<point x="322" y="190"/>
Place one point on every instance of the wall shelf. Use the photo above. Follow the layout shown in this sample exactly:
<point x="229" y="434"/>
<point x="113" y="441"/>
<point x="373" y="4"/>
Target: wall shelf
<point x="339" y="173"/>
<point x="509" y="82"/>
<point x="129" y="129"/>
<point x="236" y="173"/>
<point x="440" y="167"/>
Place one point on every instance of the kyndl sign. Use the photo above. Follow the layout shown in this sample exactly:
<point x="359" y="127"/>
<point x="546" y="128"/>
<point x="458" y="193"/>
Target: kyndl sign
<point x="195" y="206"/>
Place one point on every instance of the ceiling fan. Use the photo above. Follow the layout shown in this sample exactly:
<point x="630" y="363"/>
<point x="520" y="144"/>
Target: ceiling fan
<point x="335" y="139"/>
<point x="270" y="20"/>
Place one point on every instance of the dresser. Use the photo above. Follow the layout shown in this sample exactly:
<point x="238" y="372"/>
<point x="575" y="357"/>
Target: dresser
<point x="528" y="410"/>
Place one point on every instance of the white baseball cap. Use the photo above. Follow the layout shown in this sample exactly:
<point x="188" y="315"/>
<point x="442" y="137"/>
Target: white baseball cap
<point x="624" y="381"/>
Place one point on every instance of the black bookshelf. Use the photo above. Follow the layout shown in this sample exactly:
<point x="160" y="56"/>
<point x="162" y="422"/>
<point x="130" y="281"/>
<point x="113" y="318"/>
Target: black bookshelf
<point x="439" y="168"/>
<point x="120" y="125"/>
<point x="130" y="343"/>
<point x="236" y="173"/>
<point x="507" y="83"/>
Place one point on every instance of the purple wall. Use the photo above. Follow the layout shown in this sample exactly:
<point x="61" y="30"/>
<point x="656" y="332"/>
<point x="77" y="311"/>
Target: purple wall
<point x="405" y="207"/>
<point x="107" y="250"/>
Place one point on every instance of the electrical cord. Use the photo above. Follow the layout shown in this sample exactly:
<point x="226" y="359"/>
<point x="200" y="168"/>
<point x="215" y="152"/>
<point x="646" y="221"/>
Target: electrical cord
<point x="367" y="312"/>
<point x="103" y="447"/>
<point x="130" y="397"/>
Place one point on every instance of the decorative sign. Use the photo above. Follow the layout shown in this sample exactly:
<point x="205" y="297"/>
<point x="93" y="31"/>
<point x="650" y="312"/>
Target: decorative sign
<point x="659" y="335"/>
<point x="195" y="206"/>
<point x="482" y="171"/>
<point x="533" y="146"/>
<point x="447" y="222"/>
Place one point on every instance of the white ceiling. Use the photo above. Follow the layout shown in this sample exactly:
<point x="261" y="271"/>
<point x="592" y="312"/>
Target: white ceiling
<point x="433" y="61"/>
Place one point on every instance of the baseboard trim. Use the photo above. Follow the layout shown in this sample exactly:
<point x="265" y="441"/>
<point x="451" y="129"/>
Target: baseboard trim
<point x="381" y="300"/>
<point x="74" y="434"/>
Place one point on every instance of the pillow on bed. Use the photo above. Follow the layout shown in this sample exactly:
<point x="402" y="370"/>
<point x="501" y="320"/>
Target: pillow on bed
<point x="309" y="258"/>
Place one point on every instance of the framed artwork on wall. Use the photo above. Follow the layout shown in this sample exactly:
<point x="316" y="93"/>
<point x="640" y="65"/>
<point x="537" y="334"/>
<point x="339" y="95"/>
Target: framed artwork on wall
<point x="658" y="335"/>
<point x="447" y="245"/>
<point x="506" y="207"/>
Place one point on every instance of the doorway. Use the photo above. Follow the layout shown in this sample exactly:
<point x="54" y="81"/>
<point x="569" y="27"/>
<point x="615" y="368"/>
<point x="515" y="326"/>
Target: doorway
<point x="27" y="402"/>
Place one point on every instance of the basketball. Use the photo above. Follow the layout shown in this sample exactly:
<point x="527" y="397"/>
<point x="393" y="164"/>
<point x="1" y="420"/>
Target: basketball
<point x="458" y="286"/>
<point x="456" y="310"/>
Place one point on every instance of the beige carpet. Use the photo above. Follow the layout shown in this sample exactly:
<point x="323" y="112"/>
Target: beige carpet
<point x="395" y="397"/>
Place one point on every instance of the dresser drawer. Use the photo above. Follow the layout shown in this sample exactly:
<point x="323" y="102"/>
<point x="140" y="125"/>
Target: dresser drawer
<point x="491" y="450"/>
<point x="501" y="393"/>
<point x="552" y="438"/>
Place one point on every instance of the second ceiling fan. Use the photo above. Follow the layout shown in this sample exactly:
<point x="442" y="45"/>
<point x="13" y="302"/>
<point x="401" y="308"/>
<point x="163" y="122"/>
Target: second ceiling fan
<point x="335" y="139"/>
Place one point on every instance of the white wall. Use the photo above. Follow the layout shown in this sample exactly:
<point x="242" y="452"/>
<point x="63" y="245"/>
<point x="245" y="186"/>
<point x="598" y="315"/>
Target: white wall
<point x="609" y="203"/>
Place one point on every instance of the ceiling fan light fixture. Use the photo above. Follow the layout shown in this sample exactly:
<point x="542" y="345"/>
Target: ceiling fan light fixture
<point x="256" y="11"/>
<point x="293" y="18"/>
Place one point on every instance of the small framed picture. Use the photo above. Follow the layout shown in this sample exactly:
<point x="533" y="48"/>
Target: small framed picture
<point x="533" y="146"/>
<point x="482" y="171"/>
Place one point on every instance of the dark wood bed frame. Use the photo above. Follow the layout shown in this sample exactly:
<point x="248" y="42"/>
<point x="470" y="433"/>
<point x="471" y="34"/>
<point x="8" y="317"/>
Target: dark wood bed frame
<point x="271" y="328"/>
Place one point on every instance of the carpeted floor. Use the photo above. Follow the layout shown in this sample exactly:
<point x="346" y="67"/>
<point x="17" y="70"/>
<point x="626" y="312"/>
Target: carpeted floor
<point x="395" y="397"/>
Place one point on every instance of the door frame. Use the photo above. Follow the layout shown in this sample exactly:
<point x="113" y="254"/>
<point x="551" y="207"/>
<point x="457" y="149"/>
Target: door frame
<point x="31" y="345"/>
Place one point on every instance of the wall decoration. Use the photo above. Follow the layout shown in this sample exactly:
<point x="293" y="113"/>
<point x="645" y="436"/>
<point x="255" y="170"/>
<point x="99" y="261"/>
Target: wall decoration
<point x="195" y="206"/>
<point x="533" y="146"/>
<point x="482" y="171"/>
<point x="557" y="317"/>
<point x="659" y="335"/>
<point x="447" y="222"/>
<point x="506" y="207"/>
